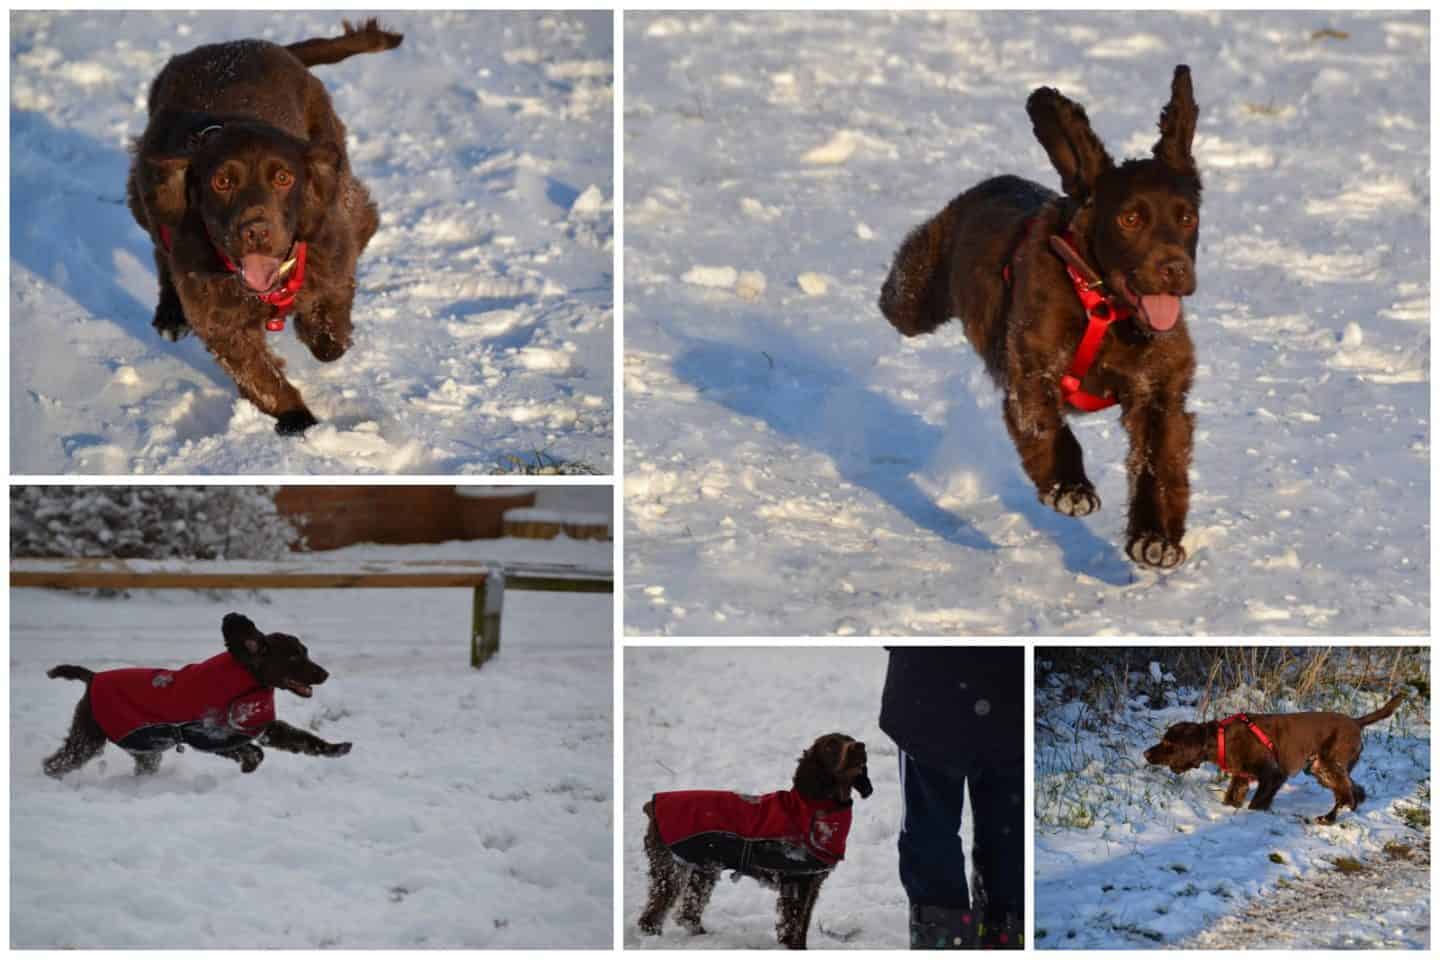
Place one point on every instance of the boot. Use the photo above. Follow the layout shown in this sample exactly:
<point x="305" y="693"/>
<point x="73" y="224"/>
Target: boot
<point x="941" y="928"/>
<point x="1002" y="931"/>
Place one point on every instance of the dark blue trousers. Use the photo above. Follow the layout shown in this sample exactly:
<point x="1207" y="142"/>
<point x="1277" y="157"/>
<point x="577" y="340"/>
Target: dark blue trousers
<point x="932" y="862"/>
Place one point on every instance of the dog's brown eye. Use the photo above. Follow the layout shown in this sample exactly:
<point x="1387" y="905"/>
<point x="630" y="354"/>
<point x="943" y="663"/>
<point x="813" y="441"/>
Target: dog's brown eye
<point x="1130" y="219"/>
<point x="1187" y="220"/>
<point x="222" y="182"/>
<point x="283" y="178"/>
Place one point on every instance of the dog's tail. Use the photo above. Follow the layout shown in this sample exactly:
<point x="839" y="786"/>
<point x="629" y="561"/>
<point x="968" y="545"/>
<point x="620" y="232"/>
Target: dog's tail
<point x="1382" y="713"/>
<point x="367" y="38"/>
<point x="916" y="295"/>
<point x="68" y="671"/>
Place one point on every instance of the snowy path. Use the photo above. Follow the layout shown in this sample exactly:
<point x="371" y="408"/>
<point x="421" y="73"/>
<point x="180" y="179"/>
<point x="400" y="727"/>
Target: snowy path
<point x="1373" y="910"/>
<point x="737" y="719"/>
<point x="484" y="310"/>
<point x="474" y="810"/>
<point x="793" y="467"/>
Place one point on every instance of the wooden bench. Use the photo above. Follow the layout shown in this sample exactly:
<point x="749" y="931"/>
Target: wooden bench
<point x="489" y="581"/>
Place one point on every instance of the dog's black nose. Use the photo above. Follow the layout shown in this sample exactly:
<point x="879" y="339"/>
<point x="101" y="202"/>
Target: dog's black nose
<point x="256" y="234"/>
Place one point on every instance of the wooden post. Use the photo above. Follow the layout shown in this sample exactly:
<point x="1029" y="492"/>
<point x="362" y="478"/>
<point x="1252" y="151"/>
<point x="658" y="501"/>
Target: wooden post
<point x="485" y="619"/>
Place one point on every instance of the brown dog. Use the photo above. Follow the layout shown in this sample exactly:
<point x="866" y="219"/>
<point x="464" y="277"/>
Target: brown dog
<point x="1039" y="279"/>
<point x="789" y="840"/>
<point x="224" y="705"/>
<point x="242" y="181"/>
<point x="1329" y="744"/>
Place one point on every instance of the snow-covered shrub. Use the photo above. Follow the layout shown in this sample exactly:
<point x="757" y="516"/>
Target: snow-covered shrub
<point x="154" y="522"/>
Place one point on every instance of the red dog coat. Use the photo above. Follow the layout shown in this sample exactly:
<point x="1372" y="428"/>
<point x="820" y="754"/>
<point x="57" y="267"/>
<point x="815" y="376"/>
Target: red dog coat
<point x="782" y="832"/>
<point x="214" y="705"/>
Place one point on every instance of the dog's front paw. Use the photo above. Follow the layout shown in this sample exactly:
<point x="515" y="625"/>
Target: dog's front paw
<point x="1153" y="550"/>
<point x="292" y="423"/>
<point x="170" y="322"/>
<point x="338" y="749"/>
<point x="1071" y="499"/>
<point x="327" y="349"/>
<point x="651" y="928"/>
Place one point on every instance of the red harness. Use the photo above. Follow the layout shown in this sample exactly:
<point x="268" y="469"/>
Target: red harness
<point x="282" y="298"/>
<point x="1100" y="312"/>
<point x="1220" y="742"/>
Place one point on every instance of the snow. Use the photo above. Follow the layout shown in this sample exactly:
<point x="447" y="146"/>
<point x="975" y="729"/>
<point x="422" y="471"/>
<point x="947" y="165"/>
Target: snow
<point x="737" y="719"/>
<point x="1129" y="855"/>
<point x="474" y="810"/>
<point x="484" y="309"/>
<point x="794" y="467"/>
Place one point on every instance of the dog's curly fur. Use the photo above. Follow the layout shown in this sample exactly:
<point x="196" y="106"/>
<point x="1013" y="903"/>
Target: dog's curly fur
<point x="244" y="157"/>
<point x="829" y="770"/>
<point x="1136" y="225"/>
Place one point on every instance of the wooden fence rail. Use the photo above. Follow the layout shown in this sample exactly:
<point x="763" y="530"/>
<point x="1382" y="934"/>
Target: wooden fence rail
<point x="489" y="581"/>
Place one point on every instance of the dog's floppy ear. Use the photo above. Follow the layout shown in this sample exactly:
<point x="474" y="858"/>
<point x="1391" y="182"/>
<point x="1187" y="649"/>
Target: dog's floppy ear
<point x="1064" y="131"/>
<point x="162" y="188"/>
<point x="322" y="180"/>
<point x="241" y="634"/>
<point x="812" y="778"/>
<point x="916" y="295"/>
<point x="1177" y="124"/>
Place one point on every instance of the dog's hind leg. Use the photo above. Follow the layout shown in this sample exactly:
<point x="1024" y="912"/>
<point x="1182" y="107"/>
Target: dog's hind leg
<point x="699" y="885"/>
<point x="82" y="744"/>
<point x="282" y="736"/>
<point x="666" y="879"/>
<point x="1333" y="775"/>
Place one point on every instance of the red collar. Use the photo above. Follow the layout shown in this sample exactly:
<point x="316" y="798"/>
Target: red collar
<point x="282" y="298"/>
<point x="1100" y="312"/>
<point x="1220" y="742"/>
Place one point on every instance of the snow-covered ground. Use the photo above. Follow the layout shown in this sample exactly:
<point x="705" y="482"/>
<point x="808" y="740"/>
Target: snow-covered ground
<point x="483" y="317"/>
<point x="793" y="466"/>
<point x="737" y="719"/>
<point x="1130" y="855"/>
<point x="473" y="811"/>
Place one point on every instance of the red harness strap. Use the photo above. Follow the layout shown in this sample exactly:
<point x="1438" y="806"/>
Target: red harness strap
<point x="1100" y="312"/>
<point x="282" y="298"/>
<point x="1220" y="742"/>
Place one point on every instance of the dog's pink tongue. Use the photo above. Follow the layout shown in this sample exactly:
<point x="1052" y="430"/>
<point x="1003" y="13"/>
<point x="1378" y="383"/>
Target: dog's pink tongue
<point x="260" y="272"/>
<point x="1161" y="309"/>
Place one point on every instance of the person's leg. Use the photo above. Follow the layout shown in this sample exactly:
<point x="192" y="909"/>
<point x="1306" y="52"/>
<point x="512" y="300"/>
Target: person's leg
<point x="932" y="860"/>
<point x="997" y="814"/>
